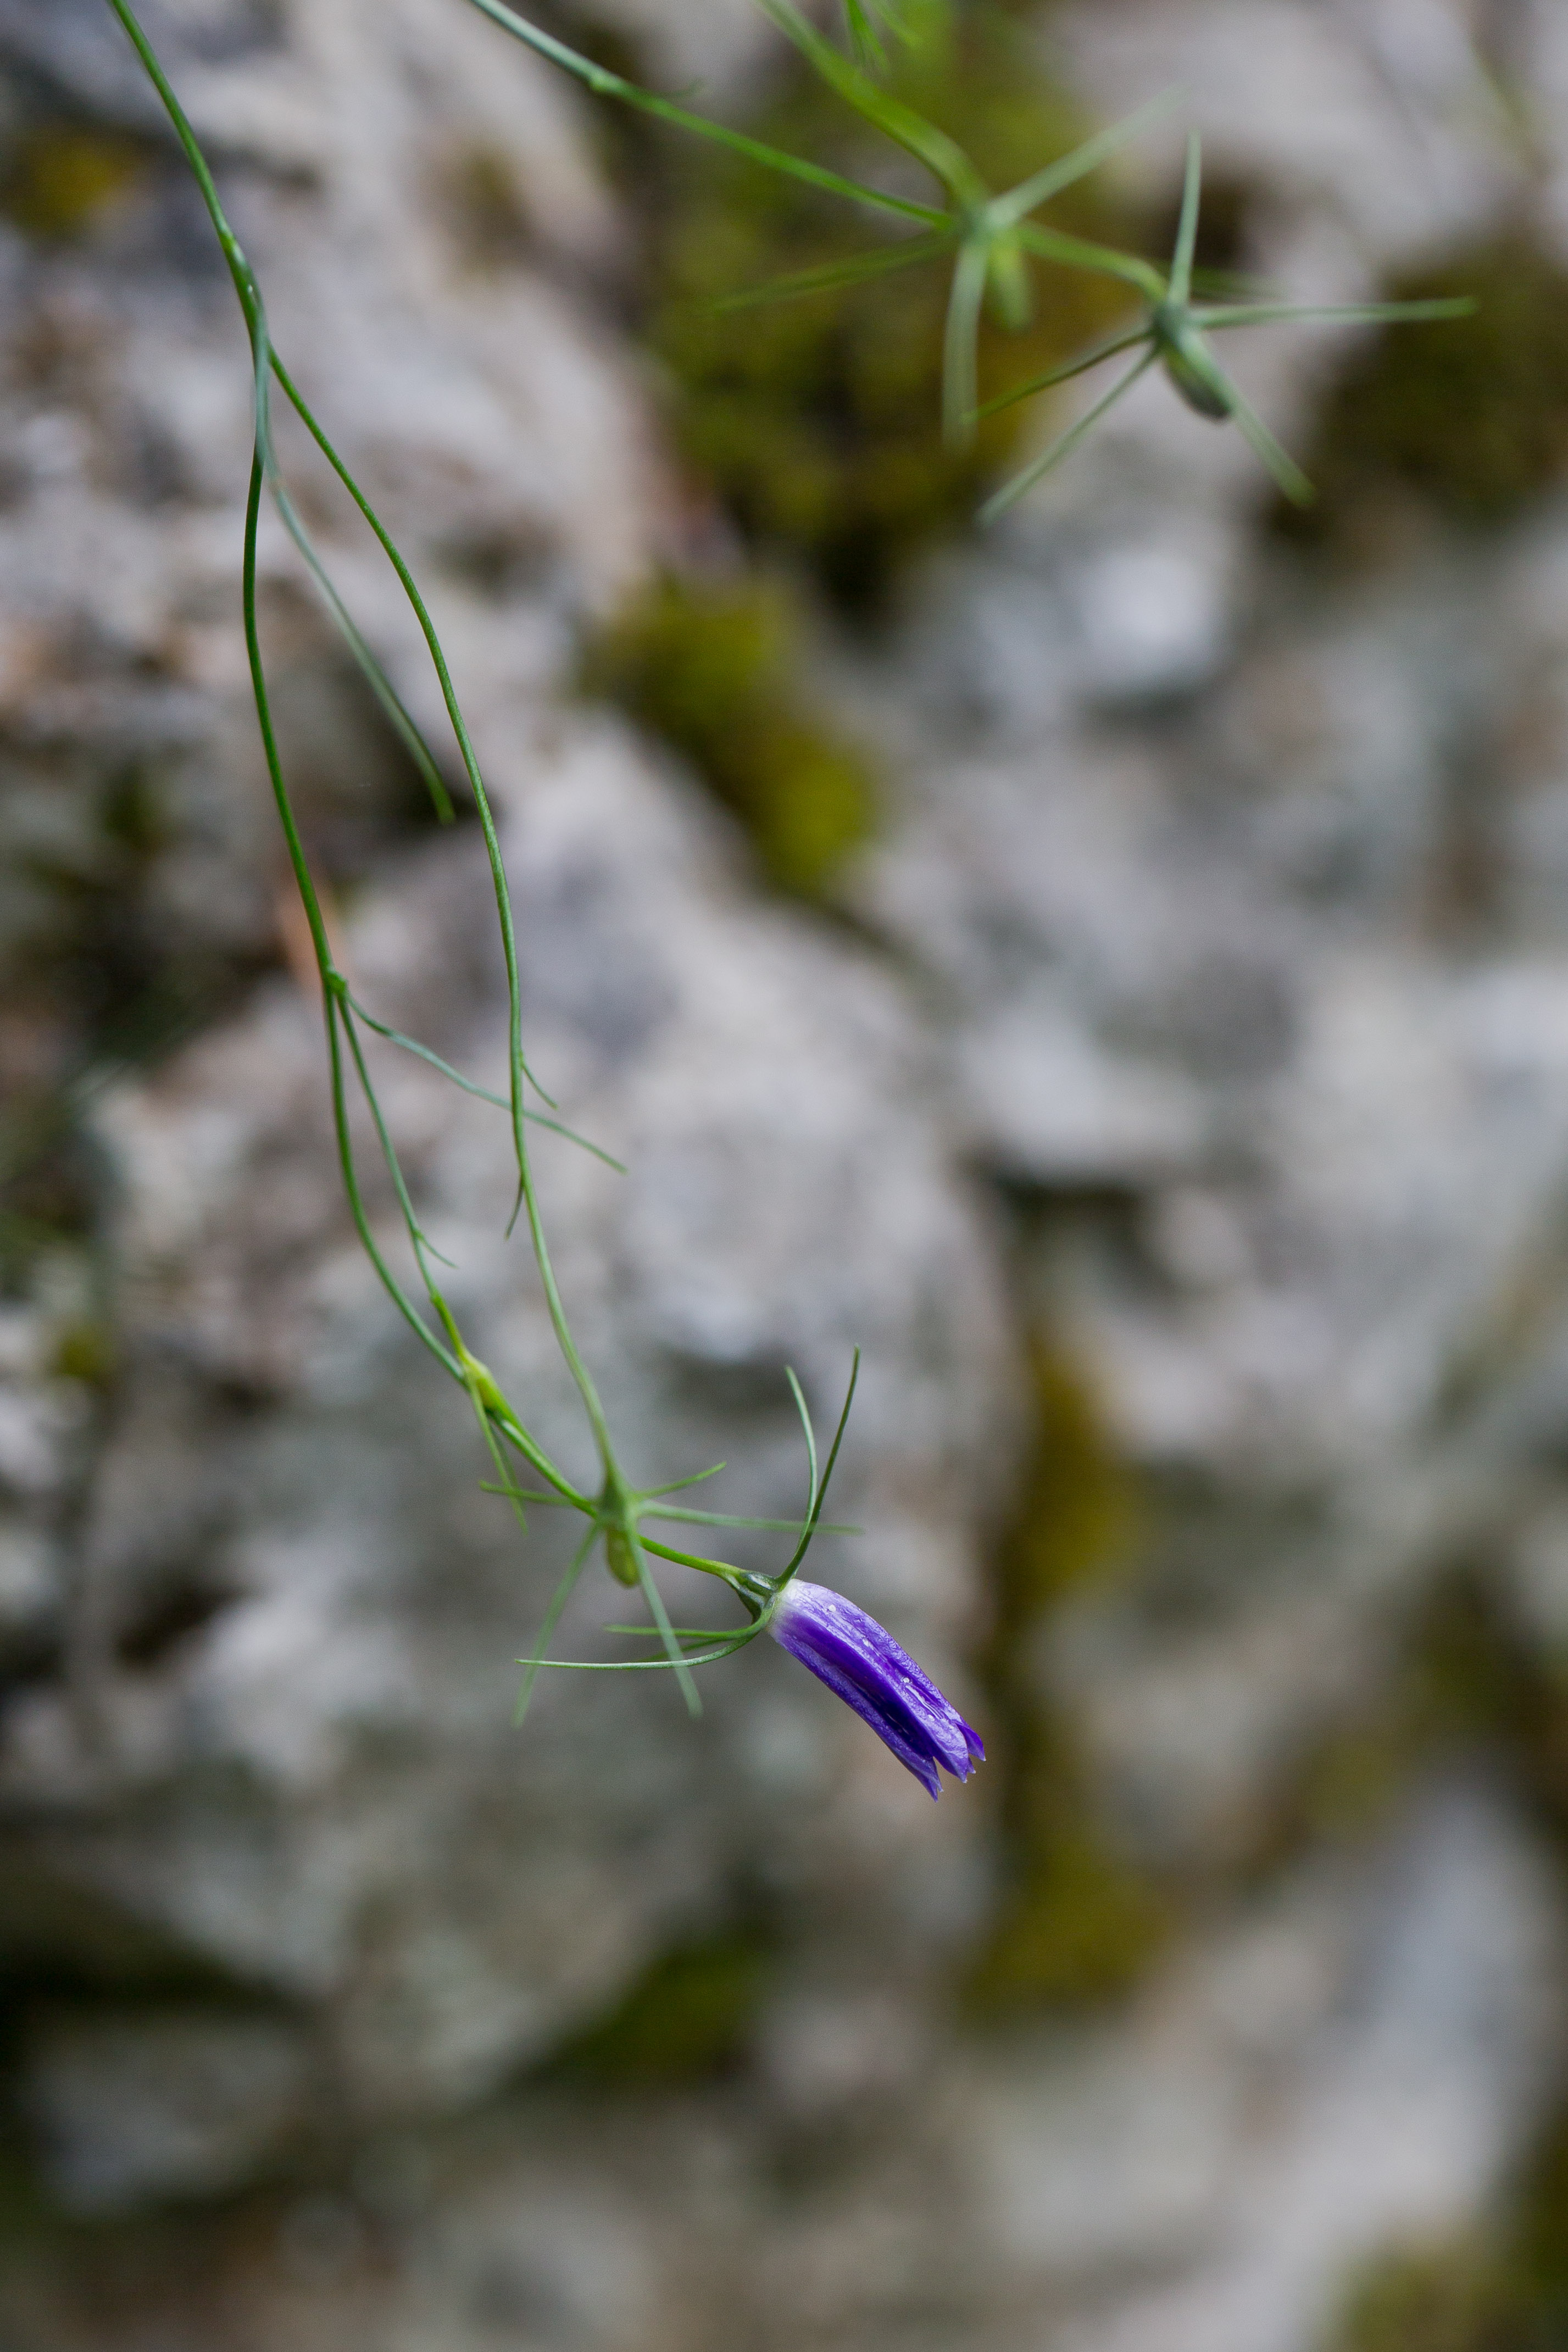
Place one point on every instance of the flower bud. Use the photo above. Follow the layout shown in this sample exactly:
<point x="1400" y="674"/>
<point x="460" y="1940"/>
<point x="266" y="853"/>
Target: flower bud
<point x="862" y="1665"/>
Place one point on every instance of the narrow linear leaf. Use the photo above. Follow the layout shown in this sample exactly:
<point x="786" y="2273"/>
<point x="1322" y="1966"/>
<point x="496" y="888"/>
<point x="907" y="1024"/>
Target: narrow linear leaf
<point x="1010" y="492"/>
<point x="648" y="1665"/>
<point x="727" y="1520"/>
<point x="1068" y="368"/>
<point x="660" y="1616"/>
<point x="960" y="336"/>
<point x="1294" y="483"/>
<point x="381" y="686"/>
<point x="1078" y="253"/>
<point x="854" y="271"/>
<point x="612" y="85"/>
<point x="485" y="1094"/>
<point x="1187" y="227"/>
<point x="942" y="156"/>
<point x="675" y="1485"/>
<point x="818" y="1490"/>
<point x="1257" y="314"/>
<point x="1009" y="209"/>
<point x="561" y="1596"/>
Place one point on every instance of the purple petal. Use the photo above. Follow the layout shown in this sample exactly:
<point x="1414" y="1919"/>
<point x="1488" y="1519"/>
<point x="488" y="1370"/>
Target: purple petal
<point x="861" y="1664"/>
<point x="821" y="1625"/>
<point x="915" y="1758"/>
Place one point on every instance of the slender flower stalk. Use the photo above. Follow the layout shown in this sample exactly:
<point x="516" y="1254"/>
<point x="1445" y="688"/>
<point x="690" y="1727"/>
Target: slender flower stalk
<point x="862" y="1665"/>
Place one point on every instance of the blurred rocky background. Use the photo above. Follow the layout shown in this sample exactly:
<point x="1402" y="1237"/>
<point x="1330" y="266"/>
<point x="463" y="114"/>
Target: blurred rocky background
<point x="1114" y="970"/>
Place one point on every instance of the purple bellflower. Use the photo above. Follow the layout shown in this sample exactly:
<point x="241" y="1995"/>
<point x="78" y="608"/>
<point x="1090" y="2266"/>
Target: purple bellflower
<point x="862" y="1665"/>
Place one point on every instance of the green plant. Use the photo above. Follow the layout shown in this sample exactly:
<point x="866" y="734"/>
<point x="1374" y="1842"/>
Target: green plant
<point x="819" y="418"/>
<point x="993" y="241"/>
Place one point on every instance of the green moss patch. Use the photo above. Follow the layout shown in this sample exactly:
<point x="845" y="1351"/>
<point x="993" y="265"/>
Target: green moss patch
<point x="1077" y="1927"/>
<point x="711" y="670"/>
<point x="1441" y="2298"/>
<point x="60" y="177"/>
<point x="1500" y="2290"/>
<point x="1457" y="1683"/>
<point x="1469" y="414"/>
<point x="686" y="2021"/>
<point x="1076" y="1923"/>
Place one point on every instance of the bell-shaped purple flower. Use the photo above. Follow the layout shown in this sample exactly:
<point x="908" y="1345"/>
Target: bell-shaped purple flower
<point x="862" y="1665"/>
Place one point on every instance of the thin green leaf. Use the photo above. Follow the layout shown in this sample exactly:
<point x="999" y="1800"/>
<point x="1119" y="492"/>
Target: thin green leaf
<point x="660" y="1616"/>
<point x="1294" y="483"/>
<point x="381" y="686"/>
<point x="471" y="1087"/>
<point x="681" y="1632"/>
<point x="675" y="1485"/>
<point x="1187" y="227"/>
<point x="943" y="156"/>
<point x="1012" y="492"/>
<point x="514" y="1492"/>
<point x="960" y="345"/>
<point x="384" y="1133"/>
<point x="648" y="1665"/>
<point x="563" y="1594"/>
<point x="799" y="1393"/>
<point x="853" y="271"/>
<point x="1257" y="314"/>
<point x="1078" y="253"/>
<point x="774" y="159"/>
<point x="357" y="1209"/>
<point x="726" y="1519"/>
<point x="1091" y="358"/>
<point x="1005" y="211"/>
<point x="818" y="1492"/>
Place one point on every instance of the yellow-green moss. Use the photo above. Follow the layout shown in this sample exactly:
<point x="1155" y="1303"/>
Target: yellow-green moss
<point x="1076" y="1923"/>
<point x="710" y="670"/>
<point x="685" y="2021"/>
<point x="85" y="1351"/>
<point x="1468" y="413"/>
<point x="1459" y="1680"/>
<point x="818" y="419"/>
<point x="1076" y="1519"/>
<point x="1441" y="2298"/>
<point x="59" y="176"/>
<point x="1500" y="2289"/>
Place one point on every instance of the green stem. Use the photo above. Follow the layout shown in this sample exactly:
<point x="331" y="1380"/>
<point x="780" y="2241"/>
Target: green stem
<point x="266" y="365"/>
<point x="604" y="84"/>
